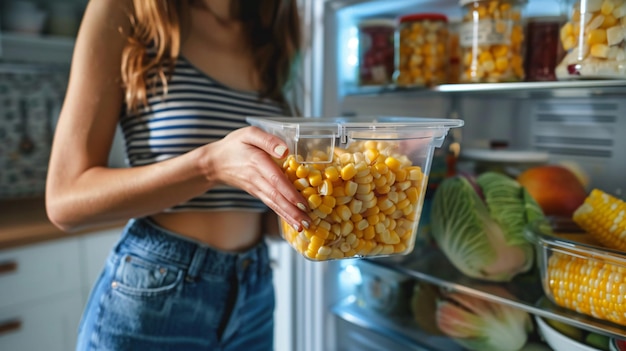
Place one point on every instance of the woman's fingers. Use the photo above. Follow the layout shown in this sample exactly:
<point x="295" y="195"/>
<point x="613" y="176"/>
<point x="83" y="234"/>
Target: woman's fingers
<point x="269" y="143"/>
<point x="276" y="200"/>
<point x="268" y="182"/>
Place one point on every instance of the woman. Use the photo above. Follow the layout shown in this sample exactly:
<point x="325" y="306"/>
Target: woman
<point x="191" y="270"/>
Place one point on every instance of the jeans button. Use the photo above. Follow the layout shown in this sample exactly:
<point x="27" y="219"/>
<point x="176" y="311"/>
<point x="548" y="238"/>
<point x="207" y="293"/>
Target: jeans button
<point x="245" y="263"/>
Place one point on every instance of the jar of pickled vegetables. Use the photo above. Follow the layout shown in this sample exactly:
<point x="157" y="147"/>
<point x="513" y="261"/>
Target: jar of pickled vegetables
<point x="594" y="40"/>
<point x="422" y="58"/>
<point x="492" y="41"/>
<point x="376" y="51"/>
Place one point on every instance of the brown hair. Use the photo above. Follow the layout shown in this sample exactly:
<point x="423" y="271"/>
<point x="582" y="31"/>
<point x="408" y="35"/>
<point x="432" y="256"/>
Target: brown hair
<point x="271" y="26"/>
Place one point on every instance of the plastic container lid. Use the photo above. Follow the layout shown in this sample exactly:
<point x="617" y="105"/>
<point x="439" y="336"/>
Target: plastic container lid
<point x="380" y="128"/>
<point x="423" y="17"/>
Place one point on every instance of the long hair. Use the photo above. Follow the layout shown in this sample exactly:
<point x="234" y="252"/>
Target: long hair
<point x="272" y="28"/>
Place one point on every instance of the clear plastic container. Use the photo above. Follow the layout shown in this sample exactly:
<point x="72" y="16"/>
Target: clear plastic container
<point x="492" y="41"/>
<point x="364" y="179"/>
<point x="376" y="51"/>
<point x="422" y="50"/>
<point x="578" y="274"/>
<point x="594" y="39"/>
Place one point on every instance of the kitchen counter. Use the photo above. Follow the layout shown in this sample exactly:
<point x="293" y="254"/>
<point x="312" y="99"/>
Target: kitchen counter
<point x="24" y="222"/>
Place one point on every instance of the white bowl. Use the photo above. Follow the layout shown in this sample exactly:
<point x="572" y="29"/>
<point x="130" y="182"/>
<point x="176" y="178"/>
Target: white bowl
<point x="558" y="341"/>
<point x="23" y="17"/>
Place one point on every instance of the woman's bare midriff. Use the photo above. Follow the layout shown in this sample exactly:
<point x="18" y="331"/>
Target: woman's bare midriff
<point x="224" y="230"/>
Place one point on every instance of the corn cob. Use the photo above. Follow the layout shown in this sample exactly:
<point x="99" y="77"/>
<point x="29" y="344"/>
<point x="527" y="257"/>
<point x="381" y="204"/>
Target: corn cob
<point x="603" y="217"/>
<point x="593" y="287"/>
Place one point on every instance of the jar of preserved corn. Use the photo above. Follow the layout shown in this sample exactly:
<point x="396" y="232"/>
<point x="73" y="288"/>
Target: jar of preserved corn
<point x="422" y="58"/>
<point x="376" y="51"/>
<point x="492" y="41"/>
<point x="594" y="40"/>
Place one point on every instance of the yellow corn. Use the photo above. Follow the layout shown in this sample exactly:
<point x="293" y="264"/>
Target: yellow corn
<point x="603" y="217"/>
<point x="348" y="171"/>
<point x="362" y="203"/>
<point x="593" y="287"/>
<point x="315" y="177"/>
<point x="314" y="201"/>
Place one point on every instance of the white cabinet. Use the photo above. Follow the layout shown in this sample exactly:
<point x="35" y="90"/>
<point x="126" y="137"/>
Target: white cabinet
<point x="94" y="250"/>
<point x="48" y="323"/>
<point x="38" y="271"/>
<point x="43" y="289"/>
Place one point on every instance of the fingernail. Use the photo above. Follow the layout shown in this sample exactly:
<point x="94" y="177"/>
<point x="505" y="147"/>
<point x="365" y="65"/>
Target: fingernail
<point x="280" y="150"/>
<point x="301" y="206"/>
<point x="306" y="224"/>
<point x="296" y="227"/>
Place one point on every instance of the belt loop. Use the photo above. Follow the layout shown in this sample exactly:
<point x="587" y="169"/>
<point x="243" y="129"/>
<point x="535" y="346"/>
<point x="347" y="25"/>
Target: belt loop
<point x="196" y="263"/>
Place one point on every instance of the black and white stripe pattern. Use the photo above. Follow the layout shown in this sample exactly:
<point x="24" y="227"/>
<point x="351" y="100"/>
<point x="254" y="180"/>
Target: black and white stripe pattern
<point x="195" y="111"/>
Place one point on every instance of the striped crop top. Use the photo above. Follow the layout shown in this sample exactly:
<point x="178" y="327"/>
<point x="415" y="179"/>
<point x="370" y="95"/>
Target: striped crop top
<point x="195" y="111"/>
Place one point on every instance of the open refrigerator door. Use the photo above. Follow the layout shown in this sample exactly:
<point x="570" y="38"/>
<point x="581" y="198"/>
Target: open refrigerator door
<point x="391" y="303"/>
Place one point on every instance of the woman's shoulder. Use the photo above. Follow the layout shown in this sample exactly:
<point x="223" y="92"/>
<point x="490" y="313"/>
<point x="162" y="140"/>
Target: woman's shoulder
<point x="109" y="16"/>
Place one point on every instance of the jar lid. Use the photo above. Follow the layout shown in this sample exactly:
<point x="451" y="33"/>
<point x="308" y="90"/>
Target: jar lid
<point x="424" y="16"/>
<point x="547" y="19"/>
<point x="377" y="22"/>
<point x="465" y="2"/>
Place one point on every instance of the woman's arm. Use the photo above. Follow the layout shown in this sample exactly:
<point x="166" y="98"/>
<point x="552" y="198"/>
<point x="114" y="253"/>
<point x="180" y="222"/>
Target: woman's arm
<point x="82" y="191"/>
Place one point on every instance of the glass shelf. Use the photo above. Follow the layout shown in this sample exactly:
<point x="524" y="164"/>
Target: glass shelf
<point x="432" y="266"/>
<point x="519" y="89"/>
<point x="401" y="330"/>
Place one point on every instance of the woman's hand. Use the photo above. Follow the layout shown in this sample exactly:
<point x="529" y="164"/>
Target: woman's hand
<point x="243" y="159"/>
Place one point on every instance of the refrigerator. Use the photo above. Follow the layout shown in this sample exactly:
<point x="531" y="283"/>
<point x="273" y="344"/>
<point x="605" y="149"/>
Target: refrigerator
<point x="321" y="306"/>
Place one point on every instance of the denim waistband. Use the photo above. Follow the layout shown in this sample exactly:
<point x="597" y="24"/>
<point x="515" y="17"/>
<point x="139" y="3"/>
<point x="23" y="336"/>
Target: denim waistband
<point x="198" y="258"/>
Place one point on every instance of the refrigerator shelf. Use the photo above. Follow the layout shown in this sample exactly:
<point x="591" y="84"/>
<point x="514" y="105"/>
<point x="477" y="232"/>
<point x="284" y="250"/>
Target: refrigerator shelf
<point x="431" y="265"/>
<point x="524" y="89"/>
<point x="403" y="330"/>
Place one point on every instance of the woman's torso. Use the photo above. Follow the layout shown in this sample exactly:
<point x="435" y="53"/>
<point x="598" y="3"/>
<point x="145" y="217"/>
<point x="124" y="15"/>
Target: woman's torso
<point x="218" y="75"/>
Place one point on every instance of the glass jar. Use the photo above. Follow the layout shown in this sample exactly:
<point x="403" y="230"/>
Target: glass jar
<point x="492" y="41"/>
<point x="454" y="53"/>
<point x="593" y="39"/>
<point x="542" y="48"/>
<point x="422" y="44"/>
<point x="376" y="51"/>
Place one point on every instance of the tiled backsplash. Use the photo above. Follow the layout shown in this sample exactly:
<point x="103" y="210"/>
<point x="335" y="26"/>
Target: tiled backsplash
<point x="30" y="99"/>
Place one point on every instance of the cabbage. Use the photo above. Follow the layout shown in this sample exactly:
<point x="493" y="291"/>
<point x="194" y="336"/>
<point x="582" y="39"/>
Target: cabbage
<point x="484" y="237"/>
<point x="481" y="325"/>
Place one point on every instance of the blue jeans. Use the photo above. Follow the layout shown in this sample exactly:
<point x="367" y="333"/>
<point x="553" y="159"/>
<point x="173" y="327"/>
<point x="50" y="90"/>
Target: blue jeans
<point x="159" y="291"/>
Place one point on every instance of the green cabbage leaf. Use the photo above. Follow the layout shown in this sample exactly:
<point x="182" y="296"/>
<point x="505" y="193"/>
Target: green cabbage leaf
<point x="480" y="227"/>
